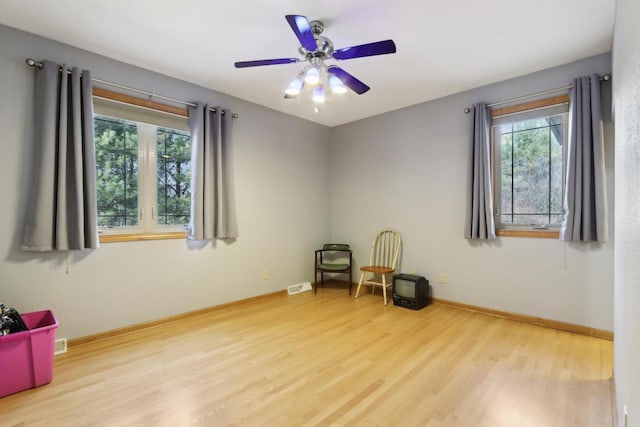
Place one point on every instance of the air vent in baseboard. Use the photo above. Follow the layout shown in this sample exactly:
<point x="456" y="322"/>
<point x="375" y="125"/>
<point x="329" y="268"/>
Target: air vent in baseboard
<point x="300" y="287"/>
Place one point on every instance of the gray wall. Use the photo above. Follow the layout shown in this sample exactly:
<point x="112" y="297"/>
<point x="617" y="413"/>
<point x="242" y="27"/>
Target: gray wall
<point x="282" y="201"/>
<point x="626" y="90"/>
<point x="407" y="169"/>
<point x="298" y="184"/>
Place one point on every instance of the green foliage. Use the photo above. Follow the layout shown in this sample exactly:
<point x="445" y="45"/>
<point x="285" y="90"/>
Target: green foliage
<point x="116" y="172"/>
<point x="531" y="171"/>
<point x="174" y="177"/>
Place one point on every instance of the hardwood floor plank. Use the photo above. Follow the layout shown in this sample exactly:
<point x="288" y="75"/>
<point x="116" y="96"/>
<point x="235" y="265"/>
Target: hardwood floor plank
<point x="327" y="359"/>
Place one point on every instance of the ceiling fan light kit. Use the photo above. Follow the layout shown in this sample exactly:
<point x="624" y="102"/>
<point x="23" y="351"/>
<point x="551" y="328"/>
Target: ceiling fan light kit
<point x="294" y="88"/>
<point x="336" y="85"/>
<point x="313" y="76"/>
<point x="316" y="49"/>
<point x="318" y="94"/>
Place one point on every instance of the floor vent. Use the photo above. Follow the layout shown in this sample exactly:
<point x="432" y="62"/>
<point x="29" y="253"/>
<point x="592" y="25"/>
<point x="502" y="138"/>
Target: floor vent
<point x="299" y="288"/>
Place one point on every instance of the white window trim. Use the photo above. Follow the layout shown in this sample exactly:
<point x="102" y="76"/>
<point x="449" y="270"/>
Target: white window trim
<point x="524" y="230"/>
<point x="148" y="228"/>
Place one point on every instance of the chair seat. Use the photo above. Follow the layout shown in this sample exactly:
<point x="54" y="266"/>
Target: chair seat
<point x="377" y="269"/>
<point x="333" y="267"/>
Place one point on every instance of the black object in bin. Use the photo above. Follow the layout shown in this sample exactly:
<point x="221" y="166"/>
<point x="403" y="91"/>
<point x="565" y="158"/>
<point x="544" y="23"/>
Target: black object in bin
<point x="10" y="321"/>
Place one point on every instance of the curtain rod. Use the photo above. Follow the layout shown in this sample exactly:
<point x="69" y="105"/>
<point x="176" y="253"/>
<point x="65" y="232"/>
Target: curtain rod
<point x="606" y="78"/>
<point x="40" y="65"/>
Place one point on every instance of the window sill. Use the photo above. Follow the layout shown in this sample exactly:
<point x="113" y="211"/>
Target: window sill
<point x="137" y="237"/>
<point x="536" y="234"/>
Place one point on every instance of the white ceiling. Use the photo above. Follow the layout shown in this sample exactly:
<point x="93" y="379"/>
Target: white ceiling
<point x="444" y="46"/>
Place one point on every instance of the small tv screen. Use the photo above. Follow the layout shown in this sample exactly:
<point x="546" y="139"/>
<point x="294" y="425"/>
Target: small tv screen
<point x="405" y="288"/>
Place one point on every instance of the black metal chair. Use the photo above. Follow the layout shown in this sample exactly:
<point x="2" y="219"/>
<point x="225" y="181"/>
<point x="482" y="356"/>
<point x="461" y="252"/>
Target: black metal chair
<point x="331" y="259"/>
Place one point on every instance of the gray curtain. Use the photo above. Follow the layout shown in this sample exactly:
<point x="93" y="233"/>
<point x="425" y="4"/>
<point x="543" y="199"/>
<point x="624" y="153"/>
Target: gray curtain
<point x="213" y="212"/>
<point x="62" y="211"/>
<point x="585" y="200"/>
<point x="479" y="222"/>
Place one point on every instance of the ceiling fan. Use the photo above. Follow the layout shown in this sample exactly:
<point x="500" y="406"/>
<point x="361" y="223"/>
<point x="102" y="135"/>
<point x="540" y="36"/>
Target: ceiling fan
<point x="316" y="49"/>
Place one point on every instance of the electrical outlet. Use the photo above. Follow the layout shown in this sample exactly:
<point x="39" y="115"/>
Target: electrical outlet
<point x="265" y="275"/>
<point x="443" y="278"/>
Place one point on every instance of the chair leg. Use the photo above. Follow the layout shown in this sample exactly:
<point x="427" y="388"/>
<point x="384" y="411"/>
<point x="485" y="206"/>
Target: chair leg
<point x="360" y="284"/>
<point x="384" y="288"/>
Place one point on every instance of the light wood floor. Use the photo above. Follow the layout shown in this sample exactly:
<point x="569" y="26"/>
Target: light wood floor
<point x="327" y="359"/>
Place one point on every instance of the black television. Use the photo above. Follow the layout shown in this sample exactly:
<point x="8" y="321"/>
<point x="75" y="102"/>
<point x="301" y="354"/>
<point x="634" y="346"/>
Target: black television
<point x="411" y="291"/>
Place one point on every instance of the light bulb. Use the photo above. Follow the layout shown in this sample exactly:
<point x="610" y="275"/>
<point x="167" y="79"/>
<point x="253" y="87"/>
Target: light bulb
<point x="336" y="85"/>
<point x="318" y="94"/>
<point x="313" y="76"/>
<point x="294" y="87"/>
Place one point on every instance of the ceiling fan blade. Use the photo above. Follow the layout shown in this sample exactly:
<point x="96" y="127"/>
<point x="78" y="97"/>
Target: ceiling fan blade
<point x="245" y="64"/>
<point x="300" y="25"/>
<point x="370" y="49"/>
<point x="348" y="80"/>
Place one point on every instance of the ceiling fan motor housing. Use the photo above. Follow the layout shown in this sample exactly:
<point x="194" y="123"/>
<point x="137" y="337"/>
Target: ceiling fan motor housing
<point x="324" y="46"/>
<point x="317" y="27"/>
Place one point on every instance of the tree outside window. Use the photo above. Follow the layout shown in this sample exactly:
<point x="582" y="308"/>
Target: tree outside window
<point x="133" y="190"/>
<point x="528" y="159"/>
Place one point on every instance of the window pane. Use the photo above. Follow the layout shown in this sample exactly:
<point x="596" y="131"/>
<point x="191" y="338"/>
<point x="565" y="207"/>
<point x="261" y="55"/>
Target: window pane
<point x="116" y="172"/>
<point x="506" y="219"/>
<point x="530" y="124"/>
<point x="557" y="136"/>
<point x="529" y="180"/>
<point x="531" y="219"/>
<point x="506" y="174"/>
<point x="531" y="171"/>
<point x="174" y="177"/>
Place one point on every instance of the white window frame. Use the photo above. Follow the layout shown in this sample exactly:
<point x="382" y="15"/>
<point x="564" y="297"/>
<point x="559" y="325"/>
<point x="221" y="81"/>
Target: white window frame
<point x="148" y="227"/>
<point x="147" y="177"/>
<point x="530" y="110"/>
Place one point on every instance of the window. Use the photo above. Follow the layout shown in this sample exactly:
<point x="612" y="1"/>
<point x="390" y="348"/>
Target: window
<point x="173" y="177"/>
<point x="116" y="171"/>
<point x="143" y="170"/>
<point x="528" y="150"/>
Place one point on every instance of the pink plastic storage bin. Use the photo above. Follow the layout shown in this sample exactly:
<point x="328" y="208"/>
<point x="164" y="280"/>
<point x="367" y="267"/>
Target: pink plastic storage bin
<point x="26" y="358"/>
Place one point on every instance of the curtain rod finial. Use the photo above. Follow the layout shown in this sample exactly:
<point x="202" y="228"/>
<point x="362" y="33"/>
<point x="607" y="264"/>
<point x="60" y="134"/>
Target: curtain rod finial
<point x="33" y="63"/>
